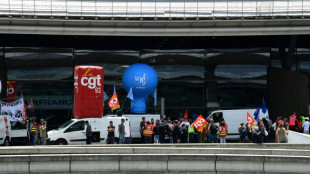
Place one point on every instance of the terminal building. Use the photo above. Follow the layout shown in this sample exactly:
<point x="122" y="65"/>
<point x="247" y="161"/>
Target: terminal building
<point x="208" y="54"/>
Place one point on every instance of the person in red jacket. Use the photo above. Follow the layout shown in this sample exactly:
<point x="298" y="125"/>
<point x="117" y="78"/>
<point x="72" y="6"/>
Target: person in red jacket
<point x="223" y="133"/>
<point x="292" y="121"/>
<point x="147" y="133"/>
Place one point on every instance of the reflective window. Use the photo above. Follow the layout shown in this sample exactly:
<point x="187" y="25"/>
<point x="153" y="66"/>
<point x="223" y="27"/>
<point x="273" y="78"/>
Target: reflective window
<point x="39" y="64"/>
<point x="236" y="73"/>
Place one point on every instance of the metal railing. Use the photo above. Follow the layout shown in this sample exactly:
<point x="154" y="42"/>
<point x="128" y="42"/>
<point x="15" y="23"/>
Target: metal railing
<point x="156" y="8"/>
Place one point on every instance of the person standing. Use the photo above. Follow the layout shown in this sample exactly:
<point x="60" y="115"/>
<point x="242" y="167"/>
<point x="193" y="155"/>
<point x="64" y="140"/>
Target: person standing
<point x="306" y="125"/>
<point x="281" y="131"/>
<point x="147" y="132"/>
<point x="213" y="132"/>
<point x="203" y="135"/>
<point x="292" y="122"/>
<point x="176" y="133"/>
<point x="242" y="133"/>
<point x="33" y="131"/>
<point x="39" y="132"/>
<point x="184" y="134"/>
<point x="223" y="132"/>
<point x="121" y="131"/>
<point x="88" y="132"/>
<point x="156" y="132"/>
<point x="43" y="133"/>
<point x="191" y="133"/>
<point x="111" y="135"/>
<point x="142" y="124"/>
<point x="164" y="132"/>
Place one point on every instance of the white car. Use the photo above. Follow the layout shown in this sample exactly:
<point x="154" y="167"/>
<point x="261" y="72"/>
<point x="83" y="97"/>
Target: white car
<point x="5" y="130"/>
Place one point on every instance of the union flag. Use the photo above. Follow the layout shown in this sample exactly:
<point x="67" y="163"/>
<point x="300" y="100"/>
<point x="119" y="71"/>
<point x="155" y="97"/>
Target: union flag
<point x="114" y="103"/>
<point x="24" y="111"/>
<point x="200" y="123"/>
<point x="250" y="121"/>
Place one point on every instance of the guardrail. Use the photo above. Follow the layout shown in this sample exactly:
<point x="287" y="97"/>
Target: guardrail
<point x="156" y="8"/>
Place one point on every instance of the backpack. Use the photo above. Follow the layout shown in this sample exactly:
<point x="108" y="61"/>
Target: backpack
<point x="213" y="129"/>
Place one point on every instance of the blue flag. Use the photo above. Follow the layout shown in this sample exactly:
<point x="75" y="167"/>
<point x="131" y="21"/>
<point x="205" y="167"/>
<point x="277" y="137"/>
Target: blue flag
<point x="130" y="94"/>
<point x="264" y="108"/>
<point x="114" y="90"/>
<point x="195" y="116"/>
<point x="105" y="96"/>
<point x="256" y="114"/>
<point x="155" y="97"/>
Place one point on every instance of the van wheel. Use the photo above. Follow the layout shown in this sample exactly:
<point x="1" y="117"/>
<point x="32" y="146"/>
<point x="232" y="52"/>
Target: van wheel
<point x="6" y="142"/>
<point x="61" y="142"/>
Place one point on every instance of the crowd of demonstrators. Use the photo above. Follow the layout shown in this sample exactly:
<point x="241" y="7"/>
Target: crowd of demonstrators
<point x="182" y="131"/>
<point x="265" y="131"/>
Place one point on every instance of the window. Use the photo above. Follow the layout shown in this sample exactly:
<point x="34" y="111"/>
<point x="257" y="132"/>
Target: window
<point x="78" y="126"/>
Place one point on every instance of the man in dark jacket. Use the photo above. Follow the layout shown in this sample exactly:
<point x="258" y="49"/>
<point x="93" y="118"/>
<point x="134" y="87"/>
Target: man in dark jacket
<point x="88" y="133"/>
<point x="176" y="133"/>
<point x="164" y="132"/>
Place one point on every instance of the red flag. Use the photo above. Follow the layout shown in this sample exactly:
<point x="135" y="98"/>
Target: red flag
<point x="200" y="123"/>
<point x="114" y="103"/>
<point x="30" y="105"/>
<point x="185" y="115"/>
<point x="11" y="91"/>
<point x="250" y="121"/>
<point x="24" y="112"/>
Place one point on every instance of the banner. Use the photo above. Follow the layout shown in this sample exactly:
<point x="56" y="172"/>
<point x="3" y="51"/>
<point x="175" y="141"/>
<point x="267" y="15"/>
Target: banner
<point x="14" y="110"/>
<point x="11" y="91"/>
<point x="88" y="92"/>
<point x="200" y="123"/>
<point x="250" y="121"/>
<point x="114" y="103"/>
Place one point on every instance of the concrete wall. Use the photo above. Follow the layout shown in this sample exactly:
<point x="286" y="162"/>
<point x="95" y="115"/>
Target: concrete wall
<point x="153" y="163"/>
<point x="151" y="159"/>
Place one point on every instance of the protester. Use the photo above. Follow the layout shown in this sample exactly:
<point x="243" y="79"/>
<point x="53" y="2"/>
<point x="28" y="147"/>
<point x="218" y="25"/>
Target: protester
<point x="43" y="133"/>
<point x="242" y="133"/>
<point x="88" y="133"/>
<point x="257" y="136"/>
<point x="184" y="134"/>
<point x="164" y="132"/>
<point x="203" y="135"/>
<point x="153" y="124"/>
<point x="33" y="131"/>
<point x="147" y="133"/>
<point x="191" y="132"/>
<point x="281" y="131"/>
<point x="298" y="124"/>
<point x="39" y="132"/>
<point x="213" y="132"/>
<point x="176" y="133"/>
<point x="292" y="122"/>
<point x="121" y="131"/>
<point x="306" y="126"/>
<point x="223" y="133"/>
<point x="142" y="124"/>
<point x="156" y="132"/>
<point x="111" y="134"/>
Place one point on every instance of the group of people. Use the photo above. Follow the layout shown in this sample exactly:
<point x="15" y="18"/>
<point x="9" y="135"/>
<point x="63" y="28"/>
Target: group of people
<point x="181" y="131"/>
<point x="266" y="131"/>
<point x="38" y="133"/>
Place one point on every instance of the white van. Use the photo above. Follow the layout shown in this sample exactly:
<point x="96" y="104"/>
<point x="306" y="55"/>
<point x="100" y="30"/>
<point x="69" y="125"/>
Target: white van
<point x="135" y="120"/>
<point x="5" y="130"/>
<point x="233" y="119"/>
<point x="73" y="131"/>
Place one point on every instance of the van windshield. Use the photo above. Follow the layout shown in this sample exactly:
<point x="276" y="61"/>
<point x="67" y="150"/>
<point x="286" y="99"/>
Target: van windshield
<point x="65" y="124"/>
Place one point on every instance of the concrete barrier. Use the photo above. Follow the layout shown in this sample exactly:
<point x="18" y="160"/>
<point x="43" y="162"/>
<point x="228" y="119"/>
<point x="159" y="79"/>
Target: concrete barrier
<point x="153" y="163"/>
<point x="296" y="137"/>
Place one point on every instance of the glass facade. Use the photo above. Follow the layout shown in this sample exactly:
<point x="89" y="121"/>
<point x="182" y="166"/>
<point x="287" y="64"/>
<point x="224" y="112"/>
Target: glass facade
<point x="199" y="80"/>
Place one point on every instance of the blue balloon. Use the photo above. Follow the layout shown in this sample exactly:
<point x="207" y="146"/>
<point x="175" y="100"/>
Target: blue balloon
<point x="143" y="80"/>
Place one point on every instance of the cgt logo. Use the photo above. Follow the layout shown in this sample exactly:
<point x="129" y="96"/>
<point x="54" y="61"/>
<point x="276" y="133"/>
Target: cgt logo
<point x="91" y="82"/>
<point x="10" y="91"/>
